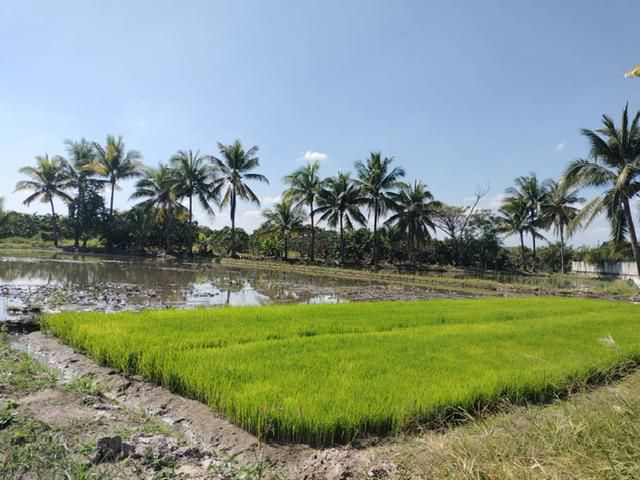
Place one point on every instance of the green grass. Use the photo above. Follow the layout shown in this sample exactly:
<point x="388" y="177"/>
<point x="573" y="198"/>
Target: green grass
<point x="461" y="282"/>
<point x="593" y="435"/>
<point x="329" y="373"/>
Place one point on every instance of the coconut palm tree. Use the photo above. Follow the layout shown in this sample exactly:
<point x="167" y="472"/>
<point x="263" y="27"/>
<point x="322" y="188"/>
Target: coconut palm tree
<point x="377" y="179"/>
<point x="339" y="204"/>
<point x="234" y="168"/>
<point x="80" y="156"/>
<point x="48" y="180"/>
<point x="414" y="209"/>
<point x="613" y="165"/>
<point x="141" y="221"/>
<point x="157" y="188"/>
<point x="114" y="163"/>
<point x="560" y="210"/>
<point x="533" y="193"/>
<point x="304" y="188"/>
<point x="285" y="218"/>
<point x="514" y="220"/>
<point x="194" y="178"/>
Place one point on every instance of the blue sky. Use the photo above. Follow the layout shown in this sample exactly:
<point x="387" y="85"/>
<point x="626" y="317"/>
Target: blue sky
<point x="463" y="94"/>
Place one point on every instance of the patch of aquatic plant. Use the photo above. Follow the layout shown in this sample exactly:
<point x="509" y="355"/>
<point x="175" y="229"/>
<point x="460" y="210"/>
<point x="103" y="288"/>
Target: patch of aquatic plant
<point x="59" y="297"/>
<point x="330" y="373"/>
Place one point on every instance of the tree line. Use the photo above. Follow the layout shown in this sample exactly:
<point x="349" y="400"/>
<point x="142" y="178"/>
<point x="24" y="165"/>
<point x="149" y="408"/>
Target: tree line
<point x="397" y="219"/>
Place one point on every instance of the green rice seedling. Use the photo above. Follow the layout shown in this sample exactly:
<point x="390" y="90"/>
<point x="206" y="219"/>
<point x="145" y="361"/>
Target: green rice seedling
<point x="327" y="374"/>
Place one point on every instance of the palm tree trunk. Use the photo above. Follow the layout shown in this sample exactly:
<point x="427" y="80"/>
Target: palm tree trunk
<point x="341" y="240"/>
<point x="374" y="256"/>
<point x="54" y="223"/>
<point x="523" y="261"/>
<point x="191" y="224"/>
<point x="79" y="216"/>
<point x="632" y="233"/>
<point x="561" y="247"/>
<point x="533" y="263"/>
<point x="167" y="230"/>
<point x="312" y="253"/>
<point x="113" y="189"/>
<point x="233" y="224"/>
<point x="286" y="245"/>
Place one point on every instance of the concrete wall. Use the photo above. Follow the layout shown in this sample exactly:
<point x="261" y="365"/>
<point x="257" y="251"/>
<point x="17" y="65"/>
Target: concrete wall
<point x="617" y="269"/>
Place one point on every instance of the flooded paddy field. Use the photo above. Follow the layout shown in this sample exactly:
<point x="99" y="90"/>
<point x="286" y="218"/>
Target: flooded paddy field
<point x="190" y="438"/>
<point x="52" y="281"/>
<point x="61" y="281"/>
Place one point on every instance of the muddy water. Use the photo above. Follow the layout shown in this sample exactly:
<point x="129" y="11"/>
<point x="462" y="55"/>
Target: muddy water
<point x="102" y="282"/>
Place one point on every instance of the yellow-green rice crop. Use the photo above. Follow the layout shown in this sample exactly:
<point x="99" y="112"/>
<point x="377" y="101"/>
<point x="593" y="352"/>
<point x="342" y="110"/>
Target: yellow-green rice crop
<point x="329" y="373"/>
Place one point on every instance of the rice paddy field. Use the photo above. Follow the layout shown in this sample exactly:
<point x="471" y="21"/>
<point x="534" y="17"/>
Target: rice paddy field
<point x="325" y="374"/>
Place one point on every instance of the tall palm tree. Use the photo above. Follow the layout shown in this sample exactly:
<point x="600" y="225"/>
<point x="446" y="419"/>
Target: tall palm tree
<point x="234" y="168"/>
<point x="80" y="156"/>
<point x="414" y="209"/>
<point x="533" y="193"/>
<point x="284" y="218"/>
<point x="48" y="180"/>
<point x="514" y="220"/>
<point x="114" y="163"/>
<point x="613" y="165"/>
<point x="339" y="204"/>
<point x="560" y="210"/>
<point x="377" y="179"/>
<point x="194" y="178"/>
<point x="157" y="188"/>
<point x="304" y="188"/>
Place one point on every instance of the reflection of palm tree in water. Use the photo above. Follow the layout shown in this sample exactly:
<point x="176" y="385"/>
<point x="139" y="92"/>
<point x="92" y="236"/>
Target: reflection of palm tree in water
<point x="170" y="282"/>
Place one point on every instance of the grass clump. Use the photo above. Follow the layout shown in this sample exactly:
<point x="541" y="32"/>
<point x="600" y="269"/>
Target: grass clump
<point x="20" y="372"/>
<point x="86" y="386"/>
<point x="593" y="435"/>
<point x="368" y="368"/>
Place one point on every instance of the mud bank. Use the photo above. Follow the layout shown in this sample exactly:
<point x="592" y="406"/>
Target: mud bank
<point x="213" y="437"/>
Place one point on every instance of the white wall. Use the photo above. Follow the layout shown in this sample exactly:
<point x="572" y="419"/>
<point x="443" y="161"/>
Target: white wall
<point x="616" y="269"/>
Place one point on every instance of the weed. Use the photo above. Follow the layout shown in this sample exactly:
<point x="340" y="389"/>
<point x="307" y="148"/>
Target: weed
<point x="86" y="386"/>
<point x="227" y="467"/>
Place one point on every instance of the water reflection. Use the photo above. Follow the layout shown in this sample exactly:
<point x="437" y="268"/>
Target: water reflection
<point x="173" y="282"/>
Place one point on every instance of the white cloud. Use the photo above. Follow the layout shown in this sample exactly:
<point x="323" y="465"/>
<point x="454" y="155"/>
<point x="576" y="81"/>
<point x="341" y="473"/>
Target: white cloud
<point x="560" y="146"/>
<point x="488" y="203"/>
<point x="494" y="202"/>
<point x="268" y="200"/>
<point x="311" y="156"/>
<point x="251" y="214"/>
<point x="250" y="219"/>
